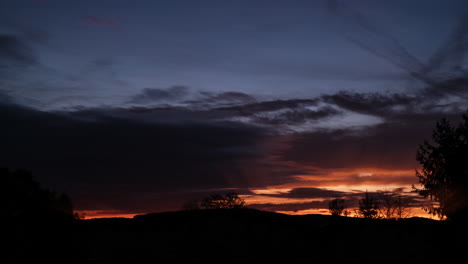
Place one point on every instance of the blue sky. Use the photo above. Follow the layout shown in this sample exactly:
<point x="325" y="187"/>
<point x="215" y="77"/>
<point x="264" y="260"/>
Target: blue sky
<point x="100" y="52"/>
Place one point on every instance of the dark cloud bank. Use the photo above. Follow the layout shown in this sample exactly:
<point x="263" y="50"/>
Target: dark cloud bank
<point x="143" y="159"/>
<point x="114" y="162"/>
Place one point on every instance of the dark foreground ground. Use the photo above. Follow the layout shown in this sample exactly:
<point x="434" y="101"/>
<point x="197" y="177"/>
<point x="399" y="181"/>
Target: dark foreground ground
<point x="248" y="236"/>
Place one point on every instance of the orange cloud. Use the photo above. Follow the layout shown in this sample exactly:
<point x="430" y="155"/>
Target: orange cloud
<point x="311" y="193"/>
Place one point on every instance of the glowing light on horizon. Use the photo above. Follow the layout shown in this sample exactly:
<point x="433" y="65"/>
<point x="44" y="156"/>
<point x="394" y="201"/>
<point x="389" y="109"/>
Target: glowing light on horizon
<point x="95" y="214"/>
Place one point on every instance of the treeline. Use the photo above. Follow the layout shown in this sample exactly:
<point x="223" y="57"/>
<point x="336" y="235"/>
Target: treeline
<point x="382" y="205"/>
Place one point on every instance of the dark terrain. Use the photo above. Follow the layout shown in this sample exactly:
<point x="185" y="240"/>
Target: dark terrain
<point x="248" y="235"/>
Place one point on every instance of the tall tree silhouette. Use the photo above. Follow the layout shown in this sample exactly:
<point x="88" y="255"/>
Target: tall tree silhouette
<point x="444" y="172"/>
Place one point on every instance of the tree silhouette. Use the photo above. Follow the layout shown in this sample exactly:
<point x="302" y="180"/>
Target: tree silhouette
<point x="37" y="221"/>
<point x="228" y="201"/>
<point x="23" y="197"/>
<point x="444" y="173"/>
<point x="368" y="206"/>
<point x="393" y="205"/>
<point x="337" y="207"/>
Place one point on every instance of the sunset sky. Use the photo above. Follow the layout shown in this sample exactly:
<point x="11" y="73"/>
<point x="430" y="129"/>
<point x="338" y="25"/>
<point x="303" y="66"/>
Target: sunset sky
<point x="140" y="106"/>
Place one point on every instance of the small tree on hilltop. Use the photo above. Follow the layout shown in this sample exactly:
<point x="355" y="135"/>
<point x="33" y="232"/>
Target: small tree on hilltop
<point x="232" y="200"/>
<point x="228" y="201"/>
<point x="444" y="172"/>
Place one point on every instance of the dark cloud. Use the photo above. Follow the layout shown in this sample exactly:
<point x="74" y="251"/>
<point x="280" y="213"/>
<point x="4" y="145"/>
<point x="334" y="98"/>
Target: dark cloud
<point x="156" y="158"/>
<point x="106" y="160"/>
<point x="14" y="49"/>
<point x="383" y="146"/>
<point x="267" y="106"/>
<point x="292" y="207"/>
<point x="290" y="115"/>
<point x="282" y="113"/>
<point x="428" y="105"/>
<point x="296" y="116"/>
<point x="154" y="95"/>
<point x="449" y="87"/>
<point x="371" y="103"/>
<point x="390" y="145"/>
<point x="169" y="103"/>
<point x="210" y="99"/>
<point x="232" y="96"/>
<point x="191" y="99"/>
<point x="309" y="193"/>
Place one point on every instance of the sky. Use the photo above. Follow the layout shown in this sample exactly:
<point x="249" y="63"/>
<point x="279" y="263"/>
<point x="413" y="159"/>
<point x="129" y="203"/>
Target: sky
<point x="140" y="106"/>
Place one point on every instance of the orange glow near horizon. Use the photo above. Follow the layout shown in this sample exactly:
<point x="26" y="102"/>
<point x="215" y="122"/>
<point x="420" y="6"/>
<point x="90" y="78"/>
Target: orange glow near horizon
<point x="254" y="199"/>
<point x="86" y="215"/>
<point x="347" y="181"/>
<point x="94" y="214"/>
<point x="415" y="212"/>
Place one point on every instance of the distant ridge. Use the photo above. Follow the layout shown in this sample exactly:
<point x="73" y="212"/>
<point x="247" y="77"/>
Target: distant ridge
<point x="249" y="214"/>
<point x="250" y="235"/>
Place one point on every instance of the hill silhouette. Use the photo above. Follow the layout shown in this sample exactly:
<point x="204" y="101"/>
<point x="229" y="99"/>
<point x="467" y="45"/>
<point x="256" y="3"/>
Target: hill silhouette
<point x="249" y="235"/>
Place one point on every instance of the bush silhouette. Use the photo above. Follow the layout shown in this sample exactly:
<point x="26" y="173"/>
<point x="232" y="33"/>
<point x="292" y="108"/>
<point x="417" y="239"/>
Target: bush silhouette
<point x="444" y="173"/>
